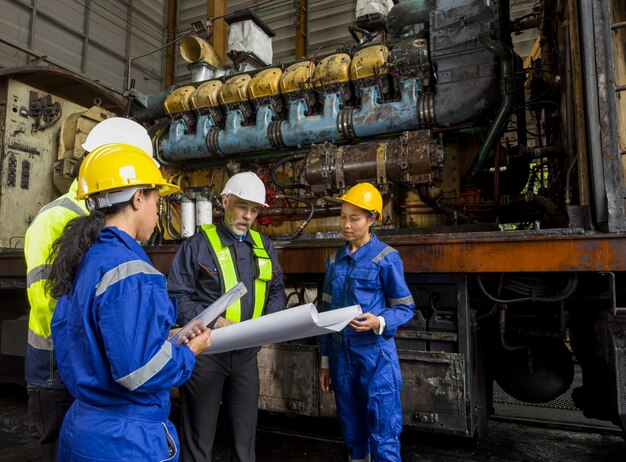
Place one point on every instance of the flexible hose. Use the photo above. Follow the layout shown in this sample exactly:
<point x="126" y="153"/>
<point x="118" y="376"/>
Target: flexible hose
<point x="281" y="162"/>
<point x="168" y="221"/>
<point x="304" y="224"/>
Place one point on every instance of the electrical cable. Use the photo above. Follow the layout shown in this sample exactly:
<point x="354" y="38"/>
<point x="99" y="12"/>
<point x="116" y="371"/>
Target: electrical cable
<point x="278" y="164"/>
<point x="520" y="287"/>
<point x="304" y="224"/>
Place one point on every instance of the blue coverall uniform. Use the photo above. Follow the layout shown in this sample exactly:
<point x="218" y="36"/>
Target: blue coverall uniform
<point x="364" y="366"/>
<point x="110" y="336"/>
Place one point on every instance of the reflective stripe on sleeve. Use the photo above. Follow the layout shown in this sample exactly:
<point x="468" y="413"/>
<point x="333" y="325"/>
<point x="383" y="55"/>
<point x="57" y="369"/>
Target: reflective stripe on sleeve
<point x="122" y="272"/>
<point x="63" y="202"/>
<point x="39" y="341"/>
<point x="140" y="376"/>
<point x="383" y="253"/>
<point x="400" y="301"/>
<point x="37" y="274"/>
<point x="327" y="298"/>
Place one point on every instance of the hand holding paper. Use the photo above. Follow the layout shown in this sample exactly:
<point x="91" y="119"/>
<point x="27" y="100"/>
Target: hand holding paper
<point x="210" y="314"/>
<point x="191" y="330"/>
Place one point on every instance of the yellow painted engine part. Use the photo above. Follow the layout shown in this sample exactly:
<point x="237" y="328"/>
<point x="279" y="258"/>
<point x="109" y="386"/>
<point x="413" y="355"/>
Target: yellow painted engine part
<point x="206" y="95"/>
<point x="297" y="77"/>
<point x="178" y="100"/>
<point x="332" y="69"/>
<point x="265" y="83"/>
<point x="195" y="50"/>
<point x="369" y="62"/>
<point x="235" y="89"/>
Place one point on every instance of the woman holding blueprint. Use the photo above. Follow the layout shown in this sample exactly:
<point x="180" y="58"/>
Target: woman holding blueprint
<point x="113" y="316"/>
<point x="360" y="364"/>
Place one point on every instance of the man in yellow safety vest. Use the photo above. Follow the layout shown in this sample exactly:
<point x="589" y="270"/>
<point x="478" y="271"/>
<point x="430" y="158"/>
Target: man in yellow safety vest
<point x="206" y="266"/>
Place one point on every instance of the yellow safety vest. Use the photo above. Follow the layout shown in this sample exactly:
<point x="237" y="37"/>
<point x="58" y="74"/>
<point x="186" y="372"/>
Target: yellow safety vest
<point x="229" y="275"/>
<point x="46" y="227"/>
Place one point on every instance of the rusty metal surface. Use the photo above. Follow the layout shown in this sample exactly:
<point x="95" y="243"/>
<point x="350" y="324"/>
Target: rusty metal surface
<point x="431" y="336"/>
<point x="288" y="383"/>
<point x="515" y="251"/>
<point x="436" y="253"/>
<point x="609" y="133"/>
<point x="410" y="158"/>
<point x="440" y="401"/>
<point x="66" y="85"/>
<point x="549" y="251"/>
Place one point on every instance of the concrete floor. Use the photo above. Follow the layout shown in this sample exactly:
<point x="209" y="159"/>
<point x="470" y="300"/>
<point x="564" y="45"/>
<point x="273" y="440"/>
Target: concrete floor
<point x="320" y="440"/>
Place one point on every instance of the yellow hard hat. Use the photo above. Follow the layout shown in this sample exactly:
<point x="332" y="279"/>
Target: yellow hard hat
<point x="366" y="196"/>
<point x="117" y="166"/>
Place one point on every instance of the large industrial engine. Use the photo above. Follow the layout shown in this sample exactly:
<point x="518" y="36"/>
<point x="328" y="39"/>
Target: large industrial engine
<point x="417" y="105"/>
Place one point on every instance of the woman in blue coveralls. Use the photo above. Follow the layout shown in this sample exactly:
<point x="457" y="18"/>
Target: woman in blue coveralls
<point x="360" y="364"/>
<point x="112" y="319"/>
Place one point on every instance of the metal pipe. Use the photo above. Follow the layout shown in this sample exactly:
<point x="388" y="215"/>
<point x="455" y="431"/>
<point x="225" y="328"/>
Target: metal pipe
<point x="437" y="205"/>
<point x="569" y="113"/>
<point x="526" y="24"/>
<point x="587" y="38"/>
<point x="618" y="25"/>
<point x="496" y="174"/>
<point x="579" y="116"/>
<point x="552" y="210"/>
<point x="507" y="90"/>
<point x="520" y="116"/>
<point x="157" y="147"/>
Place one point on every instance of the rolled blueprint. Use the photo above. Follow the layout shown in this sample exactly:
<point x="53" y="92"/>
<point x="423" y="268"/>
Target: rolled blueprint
<point x="290" y="324"/>
<point x="212" y="312"/>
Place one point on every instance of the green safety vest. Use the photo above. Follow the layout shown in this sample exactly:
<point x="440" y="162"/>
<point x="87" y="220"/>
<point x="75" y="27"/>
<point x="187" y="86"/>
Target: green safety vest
<point x="229" y="275"/>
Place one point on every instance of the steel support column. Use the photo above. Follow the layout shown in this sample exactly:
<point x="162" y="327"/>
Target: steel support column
<point x="215" y="11"/>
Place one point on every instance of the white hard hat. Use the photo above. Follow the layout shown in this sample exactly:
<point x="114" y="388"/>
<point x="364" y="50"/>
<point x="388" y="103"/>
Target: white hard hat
<point x="246" y="186"/>
<point x="118" y="130"/>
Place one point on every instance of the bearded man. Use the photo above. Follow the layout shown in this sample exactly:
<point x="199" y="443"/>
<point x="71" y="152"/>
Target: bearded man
<point x="205" y="267"/>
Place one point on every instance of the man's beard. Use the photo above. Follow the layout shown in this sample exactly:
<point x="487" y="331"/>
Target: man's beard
<point x="232" y="225"/>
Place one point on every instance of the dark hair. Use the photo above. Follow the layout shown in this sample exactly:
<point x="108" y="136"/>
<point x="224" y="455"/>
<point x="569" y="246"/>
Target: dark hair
<point x="68" y="250"/>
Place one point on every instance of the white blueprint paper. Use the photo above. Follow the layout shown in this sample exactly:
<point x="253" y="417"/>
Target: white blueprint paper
<point x="290" y="324"/>
<point x="212" y="312"/>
